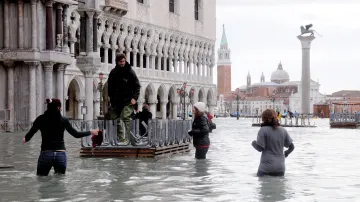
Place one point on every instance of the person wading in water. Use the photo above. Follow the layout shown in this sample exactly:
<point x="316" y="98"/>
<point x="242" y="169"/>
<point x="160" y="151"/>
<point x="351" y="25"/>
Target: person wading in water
<point x="52" y="126"/>
<point x="200" y="131"/>
<point x="271" y="140"/>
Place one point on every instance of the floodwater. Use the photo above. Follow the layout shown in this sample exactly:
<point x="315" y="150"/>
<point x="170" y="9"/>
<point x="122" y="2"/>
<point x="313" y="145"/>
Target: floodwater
<point x="324" y="167"/>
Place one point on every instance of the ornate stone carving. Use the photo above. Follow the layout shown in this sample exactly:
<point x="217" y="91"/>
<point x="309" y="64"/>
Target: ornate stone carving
<point x="9" y="64"/>
<point x="48" y="66"/>
<point x="32" y="64"/>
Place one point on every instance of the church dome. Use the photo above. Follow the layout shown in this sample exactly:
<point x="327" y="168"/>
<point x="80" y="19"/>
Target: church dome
<point x="280" y="75"/>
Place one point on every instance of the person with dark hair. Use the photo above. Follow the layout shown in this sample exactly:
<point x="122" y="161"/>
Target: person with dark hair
<point x="200" y="131"/>
<point x="271" y="140"/>
<point x="52" y="126"/>
<point x="124" y="90"/>
<point x="144" y="116"/>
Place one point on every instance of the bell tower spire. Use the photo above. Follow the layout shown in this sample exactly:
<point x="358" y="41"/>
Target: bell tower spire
<point x="224" y="65"/>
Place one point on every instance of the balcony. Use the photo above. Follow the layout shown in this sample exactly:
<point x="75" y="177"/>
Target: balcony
<point x="117" y="7"/>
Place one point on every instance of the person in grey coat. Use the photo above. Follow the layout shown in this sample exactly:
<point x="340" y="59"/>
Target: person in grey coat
<point x="271" y="140"/>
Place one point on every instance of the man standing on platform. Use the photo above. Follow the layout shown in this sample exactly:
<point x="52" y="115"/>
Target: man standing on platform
<point x="123" y="90"/>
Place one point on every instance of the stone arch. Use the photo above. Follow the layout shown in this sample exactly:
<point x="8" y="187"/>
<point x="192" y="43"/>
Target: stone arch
<point x="149" y="93"/>
<point x="75" y="96"/>
<point x="173" y="99"/>
<point x="202" y="95"/>
<point x="161" y="96"/>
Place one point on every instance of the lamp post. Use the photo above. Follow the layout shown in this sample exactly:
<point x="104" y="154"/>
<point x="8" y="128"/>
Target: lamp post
<point x="238" y="97"/>
<point x="183" y="94"/>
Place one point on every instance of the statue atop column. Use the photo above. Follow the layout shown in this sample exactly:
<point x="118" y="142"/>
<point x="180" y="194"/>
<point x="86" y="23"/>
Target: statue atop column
<point x="306" y="30"/>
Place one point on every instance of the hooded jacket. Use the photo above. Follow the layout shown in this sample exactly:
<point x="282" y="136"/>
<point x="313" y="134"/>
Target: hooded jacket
<point x="123" y="85"/>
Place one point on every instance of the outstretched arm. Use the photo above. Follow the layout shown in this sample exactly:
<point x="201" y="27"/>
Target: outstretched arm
<point x="32" y="131"/>
<point x="74" y="132"/>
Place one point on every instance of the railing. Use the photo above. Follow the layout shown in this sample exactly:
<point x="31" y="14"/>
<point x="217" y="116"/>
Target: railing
<point x="344" y="117"/>
<point x="301" y="120"/>
<point x="157" y="133"/>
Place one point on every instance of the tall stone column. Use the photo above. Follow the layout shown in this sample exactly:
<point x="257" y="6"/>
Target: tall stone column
<point x="72" y="45"/>
<point x="163" y="109"/>
<point x="186" y="71"/>
<point x="152" y="105"/>
<point x="10" y="65"/>
<point x="49" y="28"/>
<point x="113" y="54"/>
<point x="106" y="56"/>
<point x="140" y="103"/>
<point x="175" y="64"/>
<point x="159" y="61"/>
<point x="152" y="58"/>
<point x="58" y="25"/>
<point x="147" y="61"/>
<point x="39" y="90"/>
<point x="305" y="73"/>
<point x="48" y="67"/>
<point x="60" y="83"/>
<point x="174" y="109"/>
<point x="141" y="65"/>
<point x="65" y="47"/>
<point x="21" y="24"/>
<point x="165" y="62"/>
<point x="33" y="25"/>
<point x="128" y="50"/>
<point x="32" y="89"/>
<point x="171" y="68"/>
<point x="80" y="103"/>
<point x="89" y="33"/>
<point x="6" y="25"/>
<point x="134" y="58"/>
<point x="89" y="94"/>
<point x="96" y="108"/>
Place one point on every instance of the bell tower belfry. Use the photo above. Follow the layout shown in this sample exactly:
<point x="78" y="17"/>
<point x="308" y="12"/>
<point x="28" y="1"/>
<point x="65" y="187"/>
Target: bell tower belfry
<point x="224" y="66"/>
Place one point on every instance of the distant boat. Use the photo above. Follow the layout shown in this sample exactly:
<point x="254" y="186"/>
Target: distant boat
<point x="234" y="114"/>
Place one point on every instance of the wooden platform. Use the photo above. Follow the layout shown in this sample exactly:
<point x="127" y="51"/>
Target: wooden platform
<point x="134" y="151"/>
<point x="351" y="125"/>
<point x="289" y="126"/>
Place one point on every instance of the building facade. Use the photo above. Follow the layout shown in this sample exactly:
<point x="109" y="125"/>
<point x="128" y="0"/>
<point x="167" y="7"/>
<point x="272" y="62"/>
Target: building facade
<point x="58" y="48"/>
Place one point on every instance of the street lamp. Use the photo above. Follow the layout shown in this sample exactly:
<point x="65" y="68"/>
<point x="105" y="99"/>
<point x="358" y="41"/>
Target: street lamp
<point x="238" y="97"/>
<point x="183" y="94"/>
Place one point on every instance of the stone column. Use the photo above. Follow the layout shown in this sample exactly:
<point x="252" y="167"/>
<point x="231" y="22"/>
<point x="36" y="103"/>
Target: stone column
<point x="89" y="94"/>
<point x="175" y="64"/>
<point x="58" y="26"/>
<point x="65" y="47"/>
<point x="186" y="67"/>
<point x="32" y="90"/>
<point x="60" y="84"/>
<point x="48" y="67"/>
<point x="80" y="103"/>
<point x="72" y="45"/>
<point x="49" y="27"/>
<point x="89" y="33"/>
<point x="163" y="109"/>
<point x="152" y="106"/>
<point x="174" y="109"/>
<point x="141" y="65"/>
<point x="39" y="90"/>
<point x="134" y="58"/>
<point x="128" y="50"/>
<point x="305" y="73"/>
<point x="191" y="67"/>
<point x="159" y="62"/>
<point x="153" y="62"/>
<point x="171" y="65"/>
<point x="211" y="109"/>
<point x="21" y="24"/>
<point x="96" y="108"/>
<point x="140" y="103"/>
<point x="147" y="61"/>
<point x="6" y="25"/>
<point x="113" y="53"/>
<point x="106" y="56"/>
<point x="165" y="62"/>
<point x="33" y="25"/>
<point x="10" y="65"/>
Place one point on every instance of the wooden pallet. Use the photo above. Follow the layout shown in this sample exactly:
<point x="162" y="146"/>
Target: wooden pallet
<point x="283" y="125"/>
<point x="350" y="125"/>
<point x="134" y="151"/>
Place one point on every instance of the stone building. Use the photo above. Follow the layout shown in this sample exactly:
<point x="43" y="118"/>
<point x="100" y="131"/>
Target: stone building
<point x="58" y="48"/>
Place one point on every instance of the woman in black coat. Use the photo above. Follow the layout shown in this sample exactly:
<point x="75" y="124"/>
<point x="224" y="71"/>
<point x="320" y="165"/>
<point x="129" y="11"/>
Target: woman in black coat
<point x="200" y="131"/>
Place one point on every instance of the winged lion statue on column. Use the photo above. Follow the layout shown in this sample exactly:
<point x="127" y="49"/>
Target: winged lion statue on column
<point x="306" y="29"/>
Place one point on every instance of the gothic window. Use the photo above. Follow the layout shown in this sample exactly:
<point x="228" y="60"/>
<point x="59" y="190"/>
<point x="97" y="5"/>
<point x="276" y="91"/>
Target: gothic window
<point x="226" y="56"/>
<point x="196" y="9"/>
<point x="140" y="1"/>
<point x="172" y="6"/>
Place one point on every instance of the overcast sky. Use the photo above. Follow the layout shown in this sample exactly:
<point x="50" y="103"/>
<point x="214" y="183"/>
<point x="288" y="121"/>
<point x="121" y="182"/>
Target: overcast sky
<point x="260" y="33"/>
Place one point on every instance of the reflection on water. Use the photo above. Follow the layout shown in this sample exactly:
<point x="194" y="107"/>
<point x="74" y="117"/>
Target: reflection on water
<point x="322" y="168"/>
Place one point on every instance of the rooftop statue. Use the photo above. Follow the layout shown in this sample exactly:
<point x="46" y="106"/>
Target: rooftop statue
<point x="306" y="29"/>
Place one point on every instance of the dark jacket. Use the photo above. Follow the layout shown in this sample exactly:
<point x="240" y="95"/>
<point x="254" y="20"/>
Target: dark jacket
<point x="200" y="131"/>
<point x="52" y="133"/>
<point x="145" y="116"/>
<point x="123" y="85"/>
